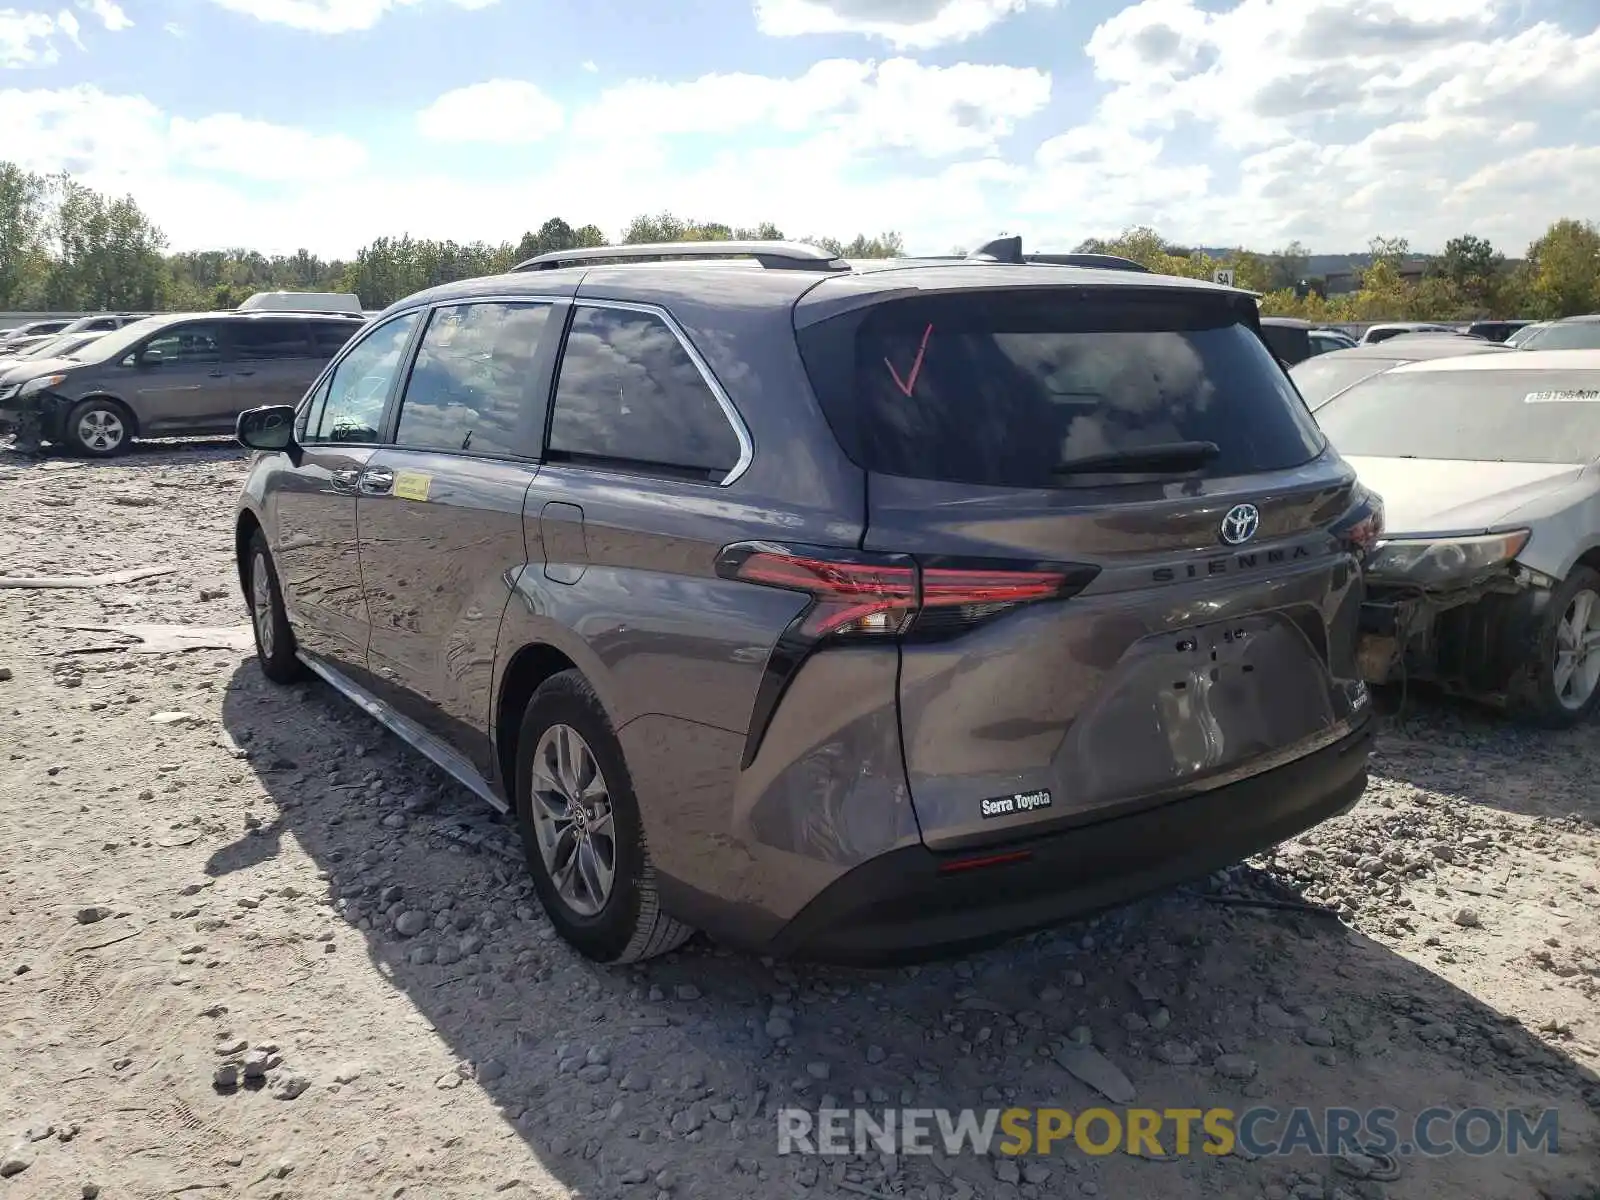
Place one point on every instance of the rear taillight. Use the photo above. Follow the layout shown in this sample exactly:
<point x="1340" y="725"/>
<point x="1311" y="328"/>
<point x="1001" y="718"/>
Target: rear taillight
<point x="856" y="594"/>
<point x="851" y="593"/>
<point x="862" y="597"/>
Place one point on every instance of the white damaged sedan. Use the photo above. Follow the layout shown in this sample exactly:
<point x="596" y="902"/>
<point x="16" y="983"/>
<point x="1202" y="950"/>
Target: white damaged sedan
<point x="1487" y="579"/>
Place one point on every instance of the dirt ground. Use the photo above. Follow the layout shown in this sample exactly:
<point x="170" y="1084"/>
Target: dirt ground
<point x="205" y="987"/>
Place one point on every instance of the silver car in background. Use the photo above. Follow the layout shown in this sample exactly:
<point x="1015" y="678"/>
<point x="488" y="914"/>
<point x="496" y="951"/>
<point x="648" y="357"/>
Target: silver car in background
<point x="1488" y="577"/>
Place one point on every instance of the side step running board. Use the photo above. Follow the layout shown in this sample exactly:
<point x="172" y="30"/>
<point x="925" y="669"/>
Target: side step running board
<point x="408" y="731"/>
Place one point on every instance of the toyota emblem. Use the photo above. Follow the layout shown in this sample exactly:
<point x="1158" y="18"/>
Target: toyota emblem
<point x="1241" y="523"/>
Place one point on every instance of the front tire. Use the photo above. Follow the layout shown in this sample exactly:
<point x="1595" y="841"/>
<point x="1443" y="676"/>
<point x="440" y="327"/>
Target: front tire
<point x="1558" y="686"/>
<point x="274" y="637"/>
<point x="581" y="829"/>
<point x="99" y="428"/>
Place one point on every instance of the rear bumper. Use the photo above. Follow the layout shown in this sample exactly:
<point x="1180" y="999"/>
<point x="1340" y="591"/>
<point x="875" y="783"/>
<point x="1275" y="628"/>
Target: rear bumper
<point x="902" y="905"/>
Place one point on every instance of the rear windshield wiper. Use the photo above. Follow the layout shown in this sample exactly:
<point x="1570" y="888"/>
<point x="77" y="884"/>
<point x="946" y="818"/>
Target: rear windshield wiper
<point x="1161" y="456"/>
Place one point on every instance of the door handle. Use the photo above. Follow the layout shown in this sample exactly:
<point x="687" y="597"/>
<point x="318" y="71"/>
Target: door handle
<point x="217" y="374"/>
<point x="376" y="481"/>
<point x="244" y="372"/>
<point x="344" y="479"/>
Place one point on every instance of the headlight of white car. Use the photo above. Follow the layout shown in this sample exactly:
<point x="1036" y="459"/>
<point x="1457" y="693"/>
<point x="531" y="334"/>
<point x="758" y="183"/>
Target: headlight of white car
<point x="34" y="386"/>
<point x="1430" y="562"/>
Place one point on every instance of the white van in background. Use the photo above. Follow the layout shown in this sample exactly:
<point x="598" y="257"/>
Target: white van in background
<point x="316" y="302"/>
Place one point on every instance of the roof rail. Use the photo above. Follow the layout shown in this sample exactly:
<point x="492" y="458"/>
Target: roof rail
<point x="775" y="256"/>
<point x="1009" y="250"/>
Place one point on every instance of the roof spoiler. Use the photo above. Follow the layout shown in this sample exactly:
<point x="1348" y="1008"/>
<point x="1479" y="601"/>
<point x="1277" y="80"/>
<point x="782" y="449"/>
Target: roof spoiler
<point x="1009" y="250"/>
<point x="774" y="256"/>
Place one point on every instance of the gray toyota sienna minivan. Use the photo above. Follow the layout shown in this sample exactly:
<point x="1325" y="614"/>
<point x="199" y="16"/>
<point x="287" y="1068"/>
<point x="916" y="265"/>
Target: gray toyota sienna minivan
<point x="837" y="609"/>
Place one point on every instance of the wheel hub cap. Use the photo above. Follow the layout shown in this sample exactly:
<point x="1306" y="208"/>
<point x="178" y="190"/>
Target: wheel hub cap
<point x="573" y="821"/>
<point x="100" y="430"/>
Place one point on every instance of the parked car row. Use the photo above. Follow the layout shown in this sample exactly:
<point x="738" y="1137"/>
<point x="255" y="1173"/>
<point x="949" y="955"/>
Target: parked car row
<point x="181" y="374"/>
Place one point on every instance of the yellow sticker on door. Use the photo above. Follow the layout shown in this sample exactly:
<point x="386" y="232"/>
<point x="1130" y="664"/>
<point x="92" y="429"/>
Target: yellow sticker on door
<point x="412" y="485"/>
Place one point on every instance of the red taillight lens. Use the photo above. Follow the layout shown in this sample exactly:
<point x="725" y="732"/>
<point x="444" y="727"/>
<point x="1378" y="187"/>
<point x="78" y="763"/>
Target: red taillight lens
<point x="863" y="594"/>
<point x="854" y="595"/>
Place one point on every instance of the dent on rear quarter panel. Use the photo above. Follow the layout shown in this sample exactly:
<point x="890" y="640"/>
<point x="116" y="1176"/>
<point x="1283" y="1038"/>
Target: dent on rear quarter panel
<point x="741" y="853"/>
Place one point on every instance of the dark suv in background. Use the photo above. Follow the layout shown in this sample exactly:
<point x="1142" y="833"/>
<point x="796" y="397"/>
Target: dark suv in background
<point x="835" y="608"/>
<point x="184" y="374"/>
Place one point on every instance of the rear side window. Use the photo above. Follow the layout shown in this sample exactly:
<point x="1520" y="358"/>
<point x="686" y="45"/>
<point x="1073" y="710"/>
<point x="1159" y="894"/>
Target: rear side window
<point x="256" y="341"/>
<point x="473" y="385"/>
<point x="329" y="337"/>
<point x="1008" y="389"/>
<point x="630" y="396"/>
<point x="184" y="344"/>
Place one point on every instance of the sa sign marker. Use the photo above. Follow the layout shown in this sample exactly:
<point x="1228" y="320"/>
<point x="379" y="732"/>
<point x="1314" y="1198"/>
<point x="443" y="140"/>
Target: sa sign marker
<point x="1223" y="275"/>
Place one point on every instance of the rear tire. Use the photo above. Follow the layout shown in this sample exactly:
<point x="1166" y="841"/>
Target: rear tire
<point x="581" y="829"/>
<point x="1557" y="685"/>
<point x="99" y="428"/>
<point x="274" y="638"/>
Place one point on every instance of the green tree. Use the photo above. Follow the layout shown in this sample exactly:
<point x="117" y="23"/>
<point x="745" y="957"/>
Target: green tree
<point x="24" y="235"/>
<point x="1288" y="267"/>
<point x="884" y="245"/>
<point x="1469" y="257"/>
<point x="1384" y="295"/>
<point x="108" y="253"/>
<point x="1564" y="269"/>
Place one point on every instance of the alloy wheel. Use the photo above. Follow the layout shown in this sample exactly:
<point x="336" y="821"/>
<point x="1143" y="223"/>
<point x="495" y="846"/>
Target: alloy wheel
<point x="573" y="820"/>
<point x="1577" y="663"/>
<point x="261" y="604"/>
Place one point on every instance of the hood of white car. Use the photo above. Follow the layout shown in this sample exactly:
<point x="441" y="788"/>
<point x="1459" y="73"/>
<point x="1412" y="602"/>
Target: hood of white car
<point x="1427" y="496"/>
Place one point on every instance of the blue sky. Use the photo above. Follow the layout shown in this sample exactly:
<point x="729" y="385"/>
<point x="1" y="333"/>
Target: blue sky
<point x="321" y="123"/>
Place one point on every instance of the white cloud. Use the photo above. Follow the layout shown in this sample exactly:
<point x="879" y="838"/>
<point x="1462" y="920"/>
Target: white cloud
<point x="906" y="24"/>
<point x="125" y="143"/>
<point x="499" y="112"/>
<point x="330" y="16"/>
<point x="25" y="39"/>
<point x="590" y="65"/>
<point x="28" y="39"/>
<point x="109" y="12"/>
<point x="230" y="144"/>
<point x="1353" y="117"/>
<point x="856" y="106"/>
<point x="69" y="27"/>
<point x="1324" y="120"/>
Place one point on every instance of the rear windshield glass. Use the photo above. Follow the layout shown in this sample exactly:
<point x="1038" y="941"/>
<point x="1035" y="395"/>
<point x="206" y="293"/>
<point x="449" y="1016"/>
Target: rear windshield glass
<point x="1580" y="335"/>
<point x="1008" y="389"/>
<point x="1320" y="378"/>
<point x="1484" y="416"/>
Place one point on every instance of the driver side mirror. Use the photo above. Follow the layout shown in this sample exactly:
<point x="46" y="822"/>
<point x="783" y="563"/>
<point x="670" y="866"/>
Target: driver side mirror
<point x="150" y="358"/>
<point x="269" y="428"/>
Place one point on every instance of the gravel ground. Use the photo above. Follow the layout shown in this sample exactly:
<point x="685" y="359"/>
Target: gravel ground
<point x="253" y="945"/>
